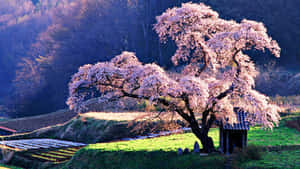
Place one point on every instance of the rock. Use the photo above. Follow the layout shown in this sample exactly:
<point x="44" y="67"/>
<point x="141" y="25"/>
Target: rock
<point x="220" y="150"/>
<point x="127" y="139"/>
<point x="179" y="151"/>
<point x="141" y="137"/>
<point x="186" y="151"/>
<point x="196" y="147"/>
<point x="203" y="154"/>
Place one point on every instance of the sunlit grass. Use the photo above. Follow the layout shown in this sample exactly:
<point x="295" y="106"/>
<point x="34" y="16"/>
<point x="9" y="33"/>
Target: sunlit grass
<point x="125" y="116"/>
<point x="158" y="152"/>
<point x="114" y="116"/>
<point x="161" y="152"/>
<point x="2" y="166"/>
<point x="167" y="143"/>
<point x="280" y="136"/>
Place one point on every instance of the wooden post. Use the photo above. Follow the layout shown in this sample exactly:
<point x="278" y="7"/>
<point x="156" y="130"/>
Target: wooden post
<point x="246" y="139"/>
<point x="227" y="142"/>
<point x="243" y="140"/>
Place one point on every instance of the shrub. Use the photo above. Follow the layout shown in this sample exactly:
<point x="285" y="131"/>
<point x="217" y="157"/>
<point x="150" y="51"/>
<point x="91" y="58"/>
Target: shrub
<point x="252" y="152"/>
<point x="294" y="124"/>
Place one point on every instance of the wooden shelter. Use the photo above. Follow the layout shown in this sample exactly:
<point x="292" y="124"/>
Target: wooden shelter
<point x="234" y="135"/>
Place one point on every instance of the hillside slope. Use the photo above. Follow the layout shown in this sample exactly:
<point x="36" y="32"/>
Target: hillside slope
<point x="28" y="124"/>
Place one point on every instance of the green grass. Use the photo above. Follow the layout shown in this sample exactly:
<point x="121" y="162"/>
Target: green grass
<point x="167" y="144"/>
<point x="149" y="153"/>
<point x="162" y="152"/>
<point x="280" y="149"/>
<point x="280" y="136"/>
<point x="281" y="159"/>
<point x="143" y="160"/>
<point x="2" y="166"/>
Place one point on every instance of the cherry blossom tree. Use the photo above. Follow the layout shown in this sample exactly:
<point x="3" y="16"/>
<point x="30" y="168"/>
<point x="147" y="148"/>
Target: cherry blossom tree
<point x="217" y="75"/>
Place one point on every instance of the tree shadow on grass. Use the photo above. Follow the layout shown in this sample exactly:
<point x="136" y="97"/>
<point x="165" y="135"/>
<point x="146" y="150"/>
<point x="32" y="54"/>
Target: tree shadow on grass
<point x="266" y="157"/>
<point x="281" y="148"/>
<point x="144" y="160"/>
<point x="97" y="158"/>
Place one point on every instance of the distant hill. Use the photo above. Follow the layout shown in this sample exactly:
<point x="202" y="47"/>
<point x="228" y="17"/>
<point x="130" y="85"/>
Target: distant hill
<point x="83" y="39"/>
<point x="28" y="124"/>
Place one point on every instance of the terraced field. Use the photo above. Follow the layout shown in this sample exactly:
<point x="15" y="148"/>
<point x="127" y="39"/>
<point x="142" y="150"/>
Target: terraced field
<point x="36" y="152"/>
<point x="52" y="156"/>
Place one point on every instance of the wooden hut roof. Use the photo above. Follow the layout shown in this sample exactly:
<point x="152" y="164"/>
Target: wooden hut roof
<point x="241" y="123"/>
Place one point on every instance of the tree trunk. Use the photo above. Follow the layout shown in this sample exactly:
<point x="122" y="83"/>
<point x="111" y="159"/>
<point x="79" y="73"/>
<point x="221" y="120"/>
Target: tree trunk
<point x="207" y="142"/>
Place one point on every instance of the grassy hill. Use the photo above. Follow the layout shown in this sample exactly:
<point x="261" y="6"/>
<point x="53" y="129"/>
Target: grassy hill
<point x="279" y="148"/>
<point x="28" y="124"/>
<point x="91" y="128"/>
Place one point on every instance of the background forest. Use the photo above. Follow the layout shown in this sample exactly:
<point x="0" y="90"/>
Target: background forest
<point x="42" y="43"/>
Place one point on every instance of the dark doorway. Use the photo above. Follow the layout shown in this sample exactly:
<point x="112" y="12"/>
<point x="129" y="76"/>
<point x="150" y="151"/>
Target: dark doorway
<point x="235" y="139"/>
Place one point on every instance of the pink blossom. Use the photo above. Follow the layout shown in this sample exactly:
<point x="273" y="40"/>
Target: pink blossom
<point x="218" y="75"/>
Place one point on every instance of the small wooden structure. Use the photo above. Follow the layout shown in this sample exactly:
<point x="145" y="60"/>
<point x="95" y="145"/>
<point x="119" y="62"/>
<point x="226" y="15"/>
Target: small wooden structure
<point x="234" y="135"/>
<point x="4" y="131"/>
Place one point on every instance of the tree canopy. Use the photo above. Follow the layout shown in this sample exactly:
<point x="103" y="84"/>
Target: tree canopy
<point x="217" y="75"/>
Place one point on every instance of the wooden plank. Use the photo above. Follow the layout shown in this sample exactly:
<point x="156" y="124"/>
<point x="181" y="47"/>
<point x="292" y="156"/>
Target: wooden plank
<point x="227" y="142"/>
